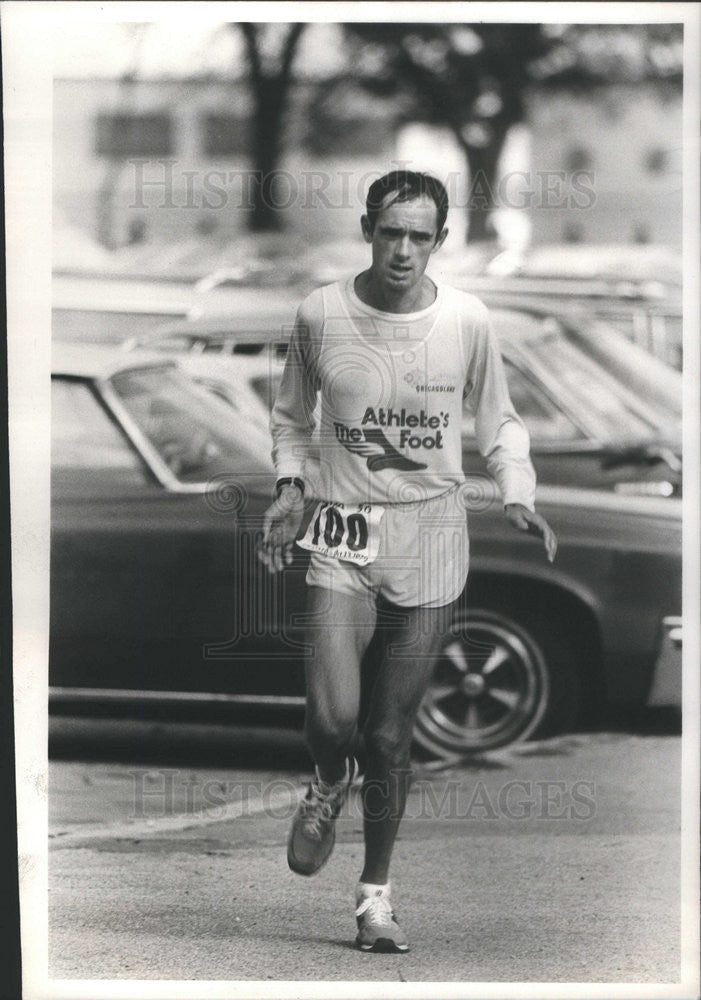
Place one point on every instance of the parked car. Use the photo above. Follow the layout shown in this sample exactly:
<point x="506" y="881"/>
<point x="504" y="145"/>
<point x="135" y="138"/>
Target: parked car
<point x="109" y="310"/>
<point x="645" y="375"/>
<point x="650" y="317"/>
<point x="160" y="608"/>
<point x="601" y="412"/>
<point x="636" y="263"/>
<point x="220" y="337"/>
<point x="246" y="382"/>
<point x="254" y="317"/>
<point x="635" y="288"/>
<point x="597" y="416"/>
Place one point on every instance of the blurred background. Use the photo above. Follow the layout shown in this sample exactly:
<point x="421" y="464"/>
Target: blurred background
<point x="205" y="178"/>
<point x="208" y="176"/>
<point x="180" y="149"/>
<point x="179" y="139"/>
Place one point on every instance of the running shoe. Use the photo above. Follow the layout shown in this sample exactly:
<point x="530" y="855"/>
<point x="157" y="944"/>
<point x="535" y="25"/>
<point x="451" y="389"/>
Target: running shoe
<point x="378" y="929"/>
<point x="313" y="832"/>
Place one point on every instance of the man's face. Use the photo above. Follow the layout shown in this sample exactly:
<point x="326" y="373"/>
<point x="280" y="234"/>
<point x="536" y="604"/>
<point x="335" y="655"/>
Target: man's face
<point x="404" y="237"/>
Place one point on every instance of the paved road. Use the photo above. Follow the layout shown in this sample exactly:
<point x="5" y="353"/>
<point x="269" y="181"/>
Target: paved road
<point x="556" y="862"/>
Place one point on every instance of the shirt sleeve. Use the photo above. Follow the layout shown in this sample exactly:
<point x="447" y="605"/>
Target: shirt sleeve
<point x="502" y="437"/>
<point x="292" y="420"/>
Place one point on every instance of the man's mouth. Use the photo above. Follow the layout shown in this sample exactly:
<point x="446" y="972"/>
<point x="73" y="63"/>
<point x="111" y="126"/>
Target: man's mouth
<point x="400" y="269"/>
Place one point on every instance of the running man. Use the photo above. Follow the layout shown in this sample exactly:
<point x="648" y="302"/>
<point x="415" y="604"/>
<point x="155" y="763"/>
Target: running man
<point x="393" y="357"/>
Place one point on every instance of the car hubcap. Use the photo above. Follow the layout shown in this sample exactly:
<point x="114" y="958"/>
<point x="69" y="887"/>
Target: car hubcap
<point x="489" y="688"/>
<point x="473" y="685"/>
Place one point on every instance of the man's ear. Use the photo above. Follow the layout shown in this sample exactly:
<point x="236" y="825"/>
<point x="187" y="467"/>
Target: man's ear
<point x="366" y="228"/>
<point x="440" y="240"/>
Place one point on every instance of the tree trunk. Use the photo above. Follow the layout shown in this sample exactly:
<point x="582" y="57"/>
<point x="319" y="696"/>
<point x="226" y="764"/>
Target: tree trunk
<point x="270" y="94"/>
<point x="482" y="163"/>
<point x="267" y="144"/>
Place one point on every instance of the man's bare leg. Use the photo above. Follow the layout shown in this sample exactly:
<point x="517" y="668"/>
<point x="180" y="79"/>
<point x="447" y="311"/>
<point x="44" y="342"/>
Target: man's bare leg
<point x="340" y="629"/>
<point x="402" y="678"/>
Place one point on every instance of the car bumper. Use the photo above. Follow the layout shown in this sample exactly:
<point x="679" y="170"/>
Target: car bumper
<point x="667" y="679"/>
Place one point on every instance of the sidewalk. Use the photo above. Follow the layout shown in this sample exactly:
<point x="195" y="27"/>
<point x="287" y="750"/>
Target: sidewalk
<point x="556" y="863"/>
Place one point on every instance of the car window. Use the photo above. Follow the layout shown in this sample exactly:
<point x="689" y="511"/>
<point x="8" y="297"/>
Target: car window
<point x="196" y="434"/>
<point x="266" y="387"/>
<point x="83" y="436"/>
<point x="246" y="347"/>
<point x="671" y="339"/>
<point x="541" y="415"/>
<point x="220" y="390"/>
<point x="543" y="418"/>
<point x="588" y="390"/>
<point x="632" y="325"/>
<point x="585" y="384"/>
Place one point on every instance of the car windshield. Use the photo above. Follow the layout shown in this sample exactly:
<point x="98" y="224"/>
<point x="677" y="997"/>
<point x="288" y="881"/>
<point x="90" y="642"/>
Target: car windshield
<point x="592" y="397"/>
<point x="84" y="437"/>
<point x="584" y="380"/>
<point x="194" y="433"/>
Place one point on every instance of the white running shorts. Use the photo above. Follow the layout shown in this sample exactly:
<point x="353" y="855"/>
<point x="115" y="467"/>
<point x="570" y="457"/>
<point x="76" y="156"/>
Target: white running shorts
<point x="422" y="558"/>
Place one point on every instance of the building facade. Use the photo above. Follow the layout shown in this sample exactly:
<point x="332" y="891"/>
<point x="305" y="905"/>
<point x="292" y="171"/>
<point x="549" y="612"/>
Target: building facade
<point x="161" y="161"/>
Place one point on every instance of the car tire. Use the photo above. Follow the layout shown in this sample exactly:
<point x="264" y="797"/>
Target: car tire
<point x="496" y="681"/>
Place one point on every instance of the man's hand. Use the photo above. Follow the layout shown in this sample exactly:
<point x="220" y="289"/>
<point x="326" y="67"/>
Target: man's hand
<point x="281" y="523"/>
<point x="526" y="520"/>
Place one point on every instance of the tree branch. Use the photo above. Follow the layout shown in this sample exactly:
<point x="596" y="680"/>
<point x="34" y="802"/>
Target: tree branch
<point x="250" y="35"/>
<point x="427" y="85"/>
<point x="288" y="51"/>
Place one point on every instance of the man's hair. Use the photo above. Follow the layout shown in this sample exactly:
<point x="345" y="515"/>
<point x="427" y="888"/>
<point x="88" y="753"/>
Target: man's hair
<point x="407" y="185"/>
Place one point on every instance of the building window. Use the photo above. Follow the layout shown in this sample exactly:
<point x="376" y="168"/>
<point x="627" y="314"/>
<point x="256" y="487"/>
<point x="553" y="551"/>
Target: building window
<point x="225" y="135"/>
<point x="577" y="158"/>
<point x="118" y="136"/>
<point x="350" y="137"/>
<point x="572" y="232"/>
<point x="656" y="160"/>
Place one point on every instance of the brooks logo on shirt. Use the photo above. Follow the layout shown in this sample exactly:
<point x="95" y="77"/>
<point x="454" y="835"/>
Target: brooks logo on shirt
<point x="439" y="382"/>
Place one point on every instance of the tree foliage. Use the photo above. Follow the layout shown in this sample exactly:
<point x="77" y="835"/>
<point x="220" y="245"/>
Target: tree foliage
<point x="470" y="78"/>
<point x="582" y="55"/>
<point x="473" y="78"/>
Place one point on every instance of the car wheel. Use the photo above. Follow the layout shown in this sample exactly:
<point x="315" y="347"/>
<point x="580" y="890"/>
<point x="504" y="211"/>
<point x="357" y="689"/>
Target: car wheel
<point x="495" y="682"/>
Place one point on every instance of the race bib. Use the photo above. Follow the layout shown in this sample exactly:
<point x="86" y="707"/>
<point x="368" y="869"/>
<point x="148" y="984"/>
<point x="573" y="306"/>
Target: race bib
<point x="345" y="531"/>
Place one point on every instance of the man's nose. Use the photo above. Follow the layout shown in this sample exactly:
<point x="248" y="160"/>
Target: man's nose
<point x="403" y="247"/>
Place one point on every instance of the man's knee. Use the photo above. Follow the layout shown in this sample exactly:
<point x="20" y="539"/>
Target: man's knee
<point x="391" y="747"/>
<point x="333" y="733"/>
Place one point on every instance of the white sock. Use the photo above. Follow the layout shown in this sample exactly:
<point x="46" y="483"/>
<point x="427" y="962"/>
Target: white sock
<point x="365" y="889"/>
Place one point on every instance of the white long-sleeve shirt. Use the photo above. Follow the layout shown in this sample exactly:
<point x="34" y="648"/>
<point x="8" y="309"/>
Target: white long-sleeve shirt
<point x="392" y="388"/>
